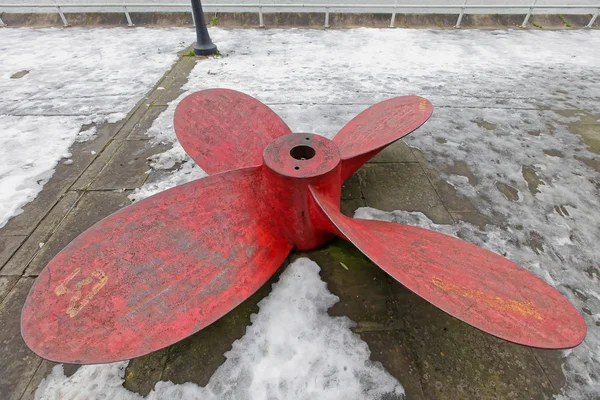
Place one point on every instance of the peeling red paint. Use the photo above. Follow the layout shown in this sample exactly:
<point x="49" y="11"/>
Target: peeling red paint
<point x="160" y="270"/>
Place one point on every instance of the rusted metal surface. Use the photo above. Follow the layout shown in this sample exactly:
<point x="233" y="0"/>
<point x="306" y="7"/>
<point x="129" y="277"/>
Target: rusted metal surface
<point x="160" y="270"/>
<point x="222" y="129"/>
<point x="472" y="284"/>
<point x="377" y="127"/>
<point x="155" y="272"/>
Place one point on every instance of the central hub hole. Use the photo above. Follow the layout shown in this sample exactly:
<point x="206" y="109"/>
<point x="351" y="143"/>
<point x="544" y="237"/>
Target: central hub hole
<point x="302" y="152"/>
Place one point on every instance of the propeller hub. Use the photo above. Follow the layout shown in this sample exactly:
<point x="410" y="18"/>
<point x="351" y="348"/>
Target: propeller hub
<point x="293" y="163"/>
<point x="301" y="155"/>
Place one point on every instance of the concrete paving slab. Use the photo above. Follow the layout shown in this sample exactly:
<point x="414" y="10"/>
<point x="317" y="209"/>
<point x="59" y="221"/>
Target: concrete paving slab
<point x="35" y="242"/>
<point x="364" y="289"/>
<point x="42" y="371"/>
<point x="551" y="363"/>
<point x="8" y="246"/>
<point x="397" y="152"/>
<point x="348" y="207"/>
<point x="91" y="208"/>
<point x="127" y="168"/>
<point x="143" y="373"/>
<point x="18" y="363"/>
<point x="401" y="186"/>
<point x="99" y="163"/>
<point x="351" y="188"/>
<point x="138" y="132"/>
<point x="173" y="82"/>
<point x="457" y="361"/>
<point x="128" y="125"/>
<point x="389" y="348"/>
<point x="474" y="218"/>
<point x="447" y="193"/>
<point x="6" y="285"/>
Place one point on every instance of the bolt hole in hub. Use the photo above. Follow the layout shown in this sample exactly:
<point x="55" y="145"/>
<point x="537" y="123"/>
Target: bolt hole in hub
<point x="301" y="155"/>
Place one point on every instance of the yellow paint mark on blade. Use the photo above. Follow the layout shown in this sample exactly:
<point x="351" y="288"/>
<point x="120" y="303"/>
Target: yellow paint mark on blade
<point x="62" y="288"/>
<point x="75" y="305"/>
<point x="523" y="308"/>
<point x="422" y="105"/>
<point x="74" y="308"/>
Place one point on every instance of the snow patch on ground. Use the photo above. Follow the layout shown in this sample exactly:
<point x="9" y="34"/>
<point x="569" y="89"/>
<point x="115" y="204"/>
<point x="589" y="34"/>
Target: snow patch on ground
<point x="89" y="76"/>
<point x="25" y="166"/>
<point x="504" y="102"/>
<point x="292" y="350"/>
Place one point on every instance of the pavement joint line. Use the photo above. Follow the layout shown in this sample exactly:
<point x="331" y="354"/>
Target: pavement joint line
<point x="411" y="349"/>
<point x="97" y="157"/>
<point x="164" y="366"/>
<point x="14" y="251"/>
<point x="543" y="370"/>
<point x="31" y="378"/>
<point x="362" y="194"/>
<point x="421" y="373"/>
<point x="37" y="225"/>
<point x="172" y="70"/>
<point x="139" y="112"/>
<point x="11" y="288"/>
<point x="134" y="139"/>
<point x="52" y="231"/>
<point x="133" y="113"/>
<point x="433" y="186"/>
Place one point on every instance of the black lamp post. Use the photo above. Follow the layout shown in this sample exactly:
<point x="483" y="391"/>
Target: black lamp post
<point x="204" y="46"/>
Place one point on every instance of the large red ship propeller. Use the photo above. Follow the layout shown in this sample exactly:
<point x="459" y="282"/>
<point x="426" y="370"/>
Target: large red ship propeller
<point x="160" y="270"/>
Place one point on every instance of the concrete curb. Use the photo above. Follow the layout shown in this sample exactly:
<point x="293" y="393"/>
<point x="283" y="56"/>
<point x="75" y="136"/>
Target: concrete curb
<point x="311" y="20"/>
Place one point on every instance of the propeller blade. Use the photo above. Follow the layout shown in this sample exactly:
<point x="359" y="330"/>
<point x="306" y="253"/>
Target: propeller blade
<point x="223" y="130"/>
<point x="155" y="272"/>
<point x="472" y="284"/>
<point x="377" y="127"/>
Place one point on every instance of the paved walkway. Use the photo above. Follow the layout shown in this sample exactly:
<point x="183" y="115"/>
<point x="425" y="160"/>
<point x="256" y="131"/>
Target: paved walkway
<point x="103" y="173"/>
<point x="433" y="355"/>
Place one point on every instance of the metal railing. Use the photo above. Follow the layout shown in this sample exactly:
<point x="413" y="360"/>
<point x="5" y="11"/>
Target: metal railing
<point x="391" y="8"/>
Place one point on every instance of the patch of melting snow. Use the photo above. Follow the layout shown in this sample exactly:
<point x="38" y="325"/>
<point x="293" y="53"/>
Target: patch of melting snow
<point x="292" y="350"/>
<point x="48" y="97"/>
<point x="504" y="100"/>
